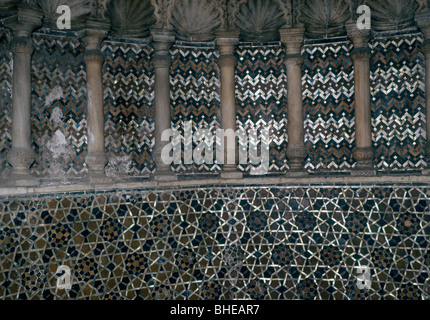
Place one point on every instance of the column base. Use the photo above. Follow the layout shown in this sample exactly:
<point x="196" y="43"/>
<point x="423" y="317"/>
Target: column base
<point x="364" y="169"/>
<point x="233" y="174"/>
<point x="165" y="176"/>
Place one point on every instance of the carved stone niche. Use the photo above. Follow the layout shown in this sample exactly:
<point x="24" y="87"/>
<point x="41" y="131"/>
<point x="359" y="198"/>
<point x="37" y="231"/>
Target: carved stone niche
<point x="79" y="10"/>
<point x="196" y="20"/>
<point x="393" y="15"/>
<point x="260" y="20"/>
<point x="131" y="18"/>
<point x="324" y="18"/>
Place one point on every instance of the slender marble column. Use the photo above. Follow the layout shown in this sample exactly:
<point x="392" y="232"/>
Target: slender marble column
<point x="227" y="42"/>
<point x="364" y="152"/>
<point x="96" y="157"/>
<point x="292" y="39"/>
<point x="423" y="21"/>
<point x="21" y="156"/>
<point x="162" y="40"/>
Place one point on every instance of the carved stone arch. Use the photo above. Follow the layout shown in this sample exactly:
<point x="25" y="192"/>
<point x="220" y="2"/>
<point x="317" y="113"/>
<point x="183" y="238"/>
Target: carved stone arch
<point x="325" y="18"/>
<point x="79" y="10"/>
<point x="131" y="18"/>
<point x="388" y="15"/>
<point x="196" y="20"/>
<point x="260" y="20"/>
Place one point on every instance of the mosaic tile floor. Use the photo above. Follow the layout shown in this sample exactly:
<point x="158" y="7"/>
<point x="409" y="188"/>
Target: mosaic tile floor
<point x="219" y="243"/>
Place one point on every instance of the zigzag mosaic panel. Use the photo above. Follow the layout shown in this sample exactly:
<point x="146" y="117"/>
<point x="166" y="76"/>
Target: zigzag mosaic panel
<point x="58" y="105"/>
<point x="261" y="98"/>
<point x="195" y="96"/>
<point x="398" y="103"/>
<point x="128" y="95"/>
<point x="246" y="242"/>
<point x="328" y="90"/>
<point x="5" y="99"/>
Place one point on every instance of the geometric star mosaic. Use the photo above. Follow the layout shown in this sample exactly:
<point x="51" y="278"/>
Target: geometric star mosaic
<point x="398" y="102"/>
<point x="267" y="242"/>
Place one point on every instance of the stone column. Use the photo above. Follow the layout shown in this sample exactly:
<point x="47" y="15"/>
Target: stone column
<point x="162" y="40"/>
<point x="363" y="153"/>
<point x="21" y="156"/>
<point x="292" y="39"/>
<point x="423" y="21"/>
<point x="227" y="42"/>
<point x="96" y="156"/>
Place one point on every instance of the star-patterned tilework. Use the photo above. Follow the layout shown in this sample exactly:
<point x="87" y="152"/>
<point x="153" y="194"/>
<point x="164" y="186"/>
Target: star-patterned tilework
<point x="272" y="242"/>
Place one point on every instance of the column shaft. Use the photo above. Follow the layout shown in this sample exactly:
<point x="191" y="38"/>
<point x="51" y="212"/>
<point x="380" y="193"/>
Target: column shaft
<point x="21" y="92"/>
<point x="363" y="152"/>
<point x="163" y="40"/>
<point x="95" y="113"/>
<point x="362" y="104"/>
<point x="292" y="39"/>
<point x="96" y="156"/>
<point x="227" y="42"/>
<point x="162" y="109"/>
<point x="21" y="156"/>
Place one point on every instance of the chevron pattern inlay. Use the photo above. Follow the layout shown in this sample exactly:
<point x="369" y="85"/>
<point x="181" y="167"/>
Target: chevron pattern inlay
<point x="5" y="100"/>
<point x="59" y="82"/>
<point x="195" y="96"/>
<point x="261" y="97"/>
<point x="398" y="103"/>
<point x="328" y="93"/>
<point x="128" y="95"/>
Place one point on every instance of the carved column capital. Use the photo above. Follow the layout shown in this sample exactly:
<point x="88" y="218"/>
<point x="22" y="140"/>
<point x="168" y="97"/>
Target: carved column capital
<point x="22" y="45"/>
<point x="227" y="41"/>
<point x="162" y="40"/>
<point x="27" y="20"/>
<point x="359" y="37"/>
<point x="95" y="33"/>
<point x="361" y="54"/>
<point x="292" y="39"/>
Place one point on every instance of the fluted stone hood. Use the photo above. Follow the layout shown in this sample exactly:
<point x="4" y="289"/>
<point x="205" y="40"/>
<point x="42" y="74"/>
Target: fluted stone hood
<point x="198" y="20"/>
